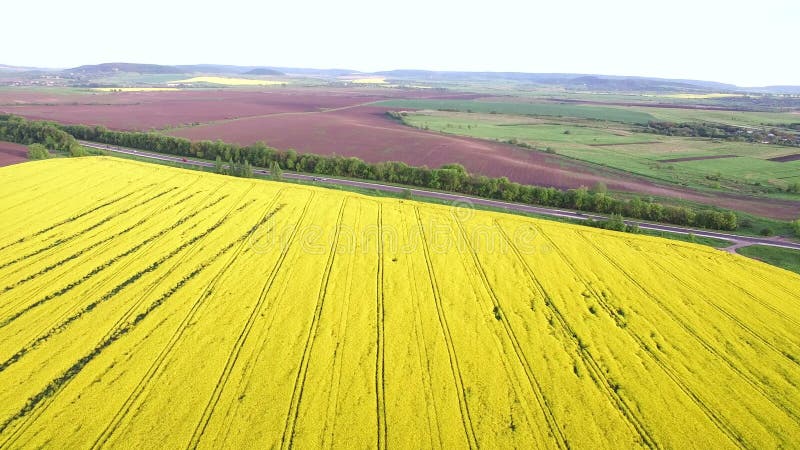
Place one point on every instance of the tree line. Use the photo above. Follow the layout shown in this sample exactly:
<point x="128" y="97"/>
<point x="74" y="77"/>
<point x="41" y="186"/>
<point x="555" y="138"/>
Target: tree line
<point x="449" y="177"/>
<point x="724" y="132"/>
<point x="40" y="136"/>
<point x="21" y="131"/>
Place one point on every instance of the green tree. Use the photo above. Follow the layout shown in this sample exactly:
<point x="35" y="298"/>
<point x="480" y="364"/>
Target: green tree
<point x="578" y="198"/>
<point x="76" y="150"/>
<point x="247" y="170"/>
<point x="37" y="151"/>
<point x="218" y="166"/>
<point x="796" y="227"/>
<point x="275" y="171"/>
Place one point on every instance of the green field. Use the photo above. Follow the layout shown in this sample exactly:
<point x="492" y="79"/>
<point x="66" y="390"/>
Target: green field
<point x="535" y="109"/>
<point x="621" y="147"/>
<point x="781" y="257"/>
<point x="738" y="118"/>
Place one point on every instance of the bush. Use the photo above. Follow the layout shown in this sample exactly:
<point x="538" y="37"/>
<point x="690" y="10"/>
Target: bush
<point x="37" y="151"/>
<point x="796" y="227"/>
<point x="767" y="231"/>
<point x="600" y="188"/>
<point x="615" y="223"/>
<point x="76" y="150"/>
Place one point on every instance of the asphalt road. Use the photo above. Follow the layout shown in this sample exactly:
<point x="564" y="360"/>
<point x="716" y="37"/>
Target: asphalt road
<point x="465" y="200"/>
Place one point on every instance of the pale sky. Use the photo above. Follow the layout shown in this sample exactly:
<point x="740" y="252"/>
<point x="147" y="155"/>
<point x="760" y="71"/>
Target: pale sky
<point x="748" y="43"/>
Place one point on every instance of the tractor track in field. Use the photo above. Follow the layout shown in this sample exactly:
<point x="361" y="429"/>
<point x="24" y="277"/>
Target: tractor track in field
<point x="88" y="248"/>
<point x="235" y="353"/>
<point x="165" y="352"/>
<point x="71" y="257"/>
<point x="99" y="269"/>
<point x="555" y="431"/>
<point x="171" y="270"/>
<point x="14" y="305"/>
<point x="65" y="320"/>
<point x="380" y="333"/>
<point x="708" y="346"/>
<point x="422" y="356"/>
<point x="58" y="242"/>
<point x="466" y="419"/>
<point x="332" y="410"/>
<point x="146" y="243"/>
<point x="70" y="219"/>
<point x="595" y="369"/>
<point x="780" y="286"/>
<point x="750" y="295"/>
<point x="287" y="439"/>
<point x="728" y="314"/>
<point x="717" y="419"/>
<point x="25" y="191"/>
<point x="38" y="403"/>
<point x="190" y="243"/>
<point x="256" y="356"/>
<point x="503" y="349"/>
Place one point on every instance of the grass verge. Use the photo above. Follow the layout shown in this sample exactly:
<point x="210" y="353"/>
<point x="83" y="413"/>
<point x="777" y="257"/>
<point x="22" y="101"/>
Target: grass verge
<point x="782" y="257"/>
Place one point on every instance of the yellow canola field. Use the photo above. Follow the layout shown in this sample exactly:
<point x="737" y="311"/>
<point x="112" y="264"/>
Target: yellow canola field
<point x="369" y="80"/>
<point x="702" y="96"/>
<point x="144" y="306"/>
<point x="229" y="81"/>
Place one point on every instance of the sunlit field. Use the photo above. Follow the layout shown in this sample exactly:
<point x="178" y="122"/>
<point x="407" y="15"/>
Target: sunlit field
<point x="149" y="306"/>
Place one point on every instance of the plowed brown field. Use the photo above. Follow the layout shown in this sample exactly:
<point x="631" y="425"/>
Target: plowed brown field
<point x="12" y="153"/>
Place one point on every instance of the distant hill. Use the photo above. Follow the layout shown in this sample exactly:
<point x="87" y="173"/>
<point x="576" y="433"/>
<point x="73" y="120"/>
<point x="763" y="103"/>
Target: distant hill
<point x="316" y="72"/>
<point x="580" y="81"/>
<point x="630" y="84"/>
<point x="229" y="70"/>
<point x="790" y="90"/>
<point x="7" y="68"/>
<point x="264" y="71"/>
<point x="124" y="67"/>
<point x="570" y="80"/>
<point x="215" y="68"/>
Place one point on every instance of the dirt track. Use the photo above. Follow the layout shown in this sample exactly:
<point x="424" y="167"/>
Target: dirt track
<point x="786" y="158"/>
